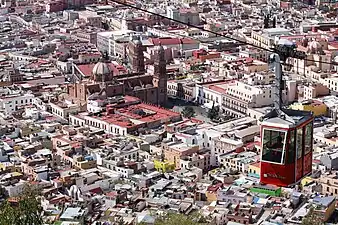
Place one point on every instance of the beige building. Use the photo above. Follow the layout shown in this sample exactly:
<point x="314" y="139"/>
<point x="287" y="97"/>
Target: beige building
<point x="329" y="184"/>
<point x="84" y="163"/>
<point x="174" y="150"/>
<point x="238" y="161"/>
<point x="91" y="18"/>
<point x="182" y="90"/>
<point x="318" y="59"/>
<point x="266" y="38"/>
<point x="64" y="109"/>
<point x="223" y="145"/>
<point x="255" y="66"/>
<point x="196" y="160"/>
<point x="314" y="90"/>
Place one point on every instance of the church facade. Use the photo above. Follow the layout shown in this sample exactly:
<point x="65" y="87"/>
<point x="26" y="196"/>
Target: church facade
<point x="102" y="83"/>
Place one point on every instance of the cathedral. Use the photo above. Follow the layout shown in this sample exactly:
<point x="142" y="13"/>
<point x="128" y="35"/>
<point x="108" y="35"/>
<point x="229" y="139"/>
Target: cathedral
<point x="102" y="83"/>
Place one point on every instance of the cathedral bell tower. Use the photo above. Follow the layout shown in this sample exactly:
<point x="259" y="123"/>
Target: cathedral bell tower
<point x="136" y="56"/>
<point x="160" y="76"/>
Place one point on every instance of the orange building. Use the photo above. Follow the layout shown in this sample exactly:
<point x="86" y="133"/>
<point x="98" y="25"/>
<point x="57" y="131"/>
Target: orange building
<point x="203" y="55"/>
<point x="174" y="150"/>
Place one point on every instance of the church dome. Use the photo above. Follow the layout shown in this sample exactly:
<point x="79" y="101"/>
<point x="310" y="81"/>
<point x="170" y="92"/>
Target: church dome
<point x="101" y="68"/>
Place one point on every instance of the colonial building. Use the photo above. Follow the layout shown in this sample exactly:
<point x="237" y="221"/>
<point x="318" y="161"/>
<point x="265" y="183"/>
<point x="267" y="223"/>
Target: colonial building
<point x="106" y="79"/>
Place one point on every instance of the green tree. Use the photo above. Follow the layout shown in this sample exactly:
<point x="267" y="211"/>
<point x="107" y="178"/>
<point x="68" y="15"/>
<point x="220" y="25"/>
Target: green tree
<point x="188" y="112"/>
<point x="27" y="211"/>
<point x="312" y="219"/>
<point x="213" y="113"/>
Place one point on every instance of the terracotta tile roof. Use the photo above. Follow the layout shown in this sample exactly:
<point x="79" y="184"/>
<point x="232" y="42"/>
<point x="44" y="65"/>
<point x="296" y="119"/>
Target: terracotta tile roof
<point x="165" y="41"/>
<point x="87" y="69"/>
<point x="171" y="41"/>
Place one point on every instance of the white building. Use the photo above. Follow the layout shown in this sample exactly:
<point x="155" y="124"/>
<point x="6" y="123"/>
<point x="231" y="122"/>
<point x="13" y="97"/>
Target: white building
<point x="242" y="95"/>
<point x="221" y="146"/>
<point x="202" y="136"/>
<point x="16" y="189"/>
<point x="95" y="106"/>
<point x="238" y="161"/>
<point x="64" y="109"/>
<point x="100" y="123"/>
<point x="118" y="42"/>
<point x="13" y="102"/>
<point x="211" y="93"/>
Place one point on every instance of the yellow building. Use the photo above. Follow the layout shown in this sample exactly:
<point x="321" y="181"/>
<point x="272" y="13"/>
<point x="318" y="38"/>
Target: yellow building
<point x="9" y="167"/>
<point x="28" y="130"/>
<point x="254" y="170"/>
<point x="84" y="163"/>
<point x="318" y="108"/>
<point x="212" y="192"/>
<point x="306" y="180"/>
<point x="164" y="166"/>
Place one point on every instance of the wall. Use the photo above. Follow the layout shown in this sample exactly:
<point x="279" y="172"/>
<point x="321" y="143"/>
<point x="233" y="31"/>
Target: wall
<point x="254" y="171"/>
<point x="11" y="104"/>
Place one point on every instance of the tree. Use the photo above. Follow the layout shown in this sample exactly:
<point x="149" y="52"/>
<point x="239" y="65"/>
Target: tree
<point x="27" y="211"/>
<point x="312" y="219"/>
<point x="213" y="113"/>
<point x="188" y="112"/>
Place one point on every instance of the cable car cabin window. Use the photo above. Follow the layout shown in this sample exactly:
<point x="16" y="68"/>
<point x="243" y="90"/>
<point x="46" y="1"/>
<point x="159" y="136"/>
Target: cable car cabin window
<point x="273" y="145"/>
<point x="291" y="150"/>
<point x="308" y="138"/>
<point x="299" y="145"/>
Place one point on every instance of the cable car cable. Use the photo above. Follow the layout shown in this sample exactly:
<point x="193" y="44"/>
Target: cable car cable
<point x="212" y="32"/>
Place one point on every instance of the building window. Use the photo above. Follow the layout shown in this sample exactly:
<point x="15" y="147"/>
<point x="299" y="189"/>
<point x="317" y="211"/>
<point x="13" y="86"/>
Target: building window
<point x="291" y="152"/>
<point x="299" y="145"/>
<point x="308" y="138"/>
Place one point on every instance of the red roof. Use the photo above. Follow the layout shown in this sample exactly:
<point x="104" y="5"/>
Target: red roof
<point x="171" y="41"/>
<point x="97" y="190"/>
<point x="165" y="41"/>
<point x="86" y="69"/>
<point x="155" y="113"/>
<point x="112" y="194"/>
<point x="218" y="89"/>
<point x="215" y="187"/>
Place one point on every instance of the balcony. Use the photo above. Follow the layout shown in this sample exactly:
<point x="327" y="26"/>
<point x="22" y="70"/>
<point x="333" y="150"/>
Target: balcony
<point x="232" y="109"/>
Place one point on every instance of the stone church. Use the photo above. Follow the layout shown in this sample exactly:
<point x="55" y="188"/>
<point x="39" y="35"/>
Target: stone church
<point x="102" y="83"/>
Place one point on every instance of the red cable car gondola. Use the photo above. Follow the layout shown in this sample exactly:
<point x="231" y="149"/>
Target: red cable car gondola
<point x="287" y="135"/>
<point x="286" y="155"/>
